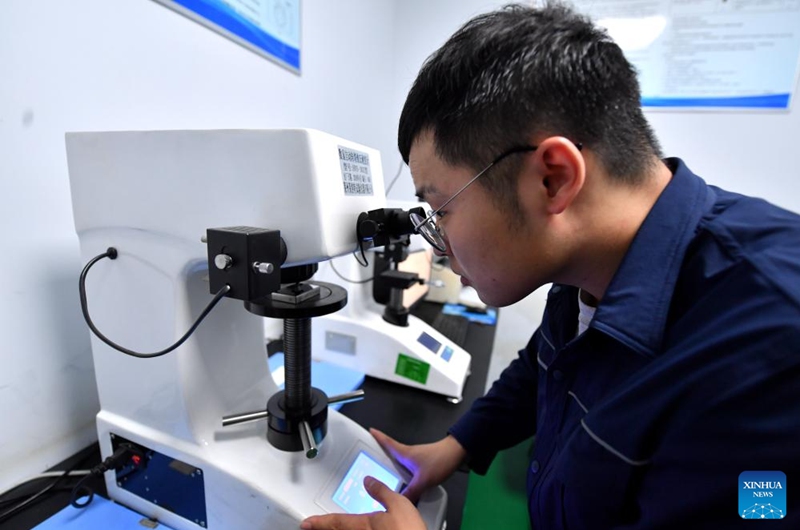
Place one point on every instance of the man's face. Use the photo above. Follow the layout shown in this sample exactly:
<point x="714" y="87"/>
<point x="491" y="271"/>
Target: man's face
<point x="490" y="251"/>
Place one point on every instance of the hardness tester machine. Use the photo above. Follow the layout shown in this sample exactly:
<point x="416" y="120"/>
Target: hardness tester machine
<point x="206" y="233"/>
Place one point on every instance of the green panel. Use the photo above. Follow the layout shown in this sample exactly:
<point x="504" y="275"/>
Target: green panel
<point x="411" y="368"/>
<point x="498" y="499"/>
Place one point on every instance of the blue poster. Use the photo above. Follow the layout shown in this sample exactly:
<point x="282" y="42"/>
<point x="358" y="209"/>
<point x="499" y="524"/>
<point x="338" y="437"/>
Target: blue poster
<point x="270" y="28"/>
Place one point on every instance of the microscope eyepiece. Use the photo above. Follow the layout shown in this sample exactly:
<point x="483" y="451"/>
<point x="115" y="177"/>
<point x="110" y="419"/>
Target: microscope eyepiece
<point x="383" y="225"/>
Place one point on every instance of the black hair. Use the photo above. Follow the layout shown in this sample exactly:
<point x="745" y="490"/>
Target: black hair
<point x="518" y="71"/>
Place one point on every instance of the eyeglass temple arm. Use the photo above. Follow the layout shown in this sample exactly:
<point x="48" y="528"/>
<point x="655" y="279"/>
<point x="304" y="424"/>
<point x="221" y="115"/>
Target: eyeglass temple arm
<point x="513" y="150"/>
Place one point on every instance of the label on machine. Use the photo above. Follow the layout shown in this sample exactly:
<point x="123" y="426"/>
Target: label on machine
<point x="356" y="173"/>
<point x="411" y="368"/>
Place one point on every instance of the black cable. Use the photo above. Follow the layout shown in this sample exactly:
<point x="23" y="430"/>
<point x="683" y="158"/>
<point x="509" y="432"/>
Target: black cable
<point x="36" y="496"/>
<point x="364" y="263"/>
<point x="112" y="254"/>
<point x="77" y="490"/>
<point x="19" y="507"/>
<point x="360" y="238"/>
<point x="18" y="498"/>
<point x="5" y="497"/>
<point x="123" y="453"/>
<point x="347" y="280"/>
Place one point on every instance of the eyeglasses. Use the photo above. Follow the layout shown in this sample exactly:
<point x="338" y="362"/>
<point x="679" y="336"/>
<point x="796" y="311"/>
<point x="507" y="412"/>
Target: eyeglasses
<point x="429" y="229"/>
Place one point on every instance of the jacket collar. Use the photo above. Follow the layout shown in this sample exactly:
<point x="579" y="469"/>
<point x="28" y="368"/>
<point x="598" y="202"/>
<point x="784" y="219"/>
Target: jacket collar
<point x="636" y="304"/>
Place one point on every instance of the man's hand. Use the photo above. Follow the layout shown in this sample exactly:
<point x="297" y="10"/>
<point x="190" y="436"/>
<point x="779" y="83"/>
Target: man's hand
<point x="429" y="464"/>
<point x="400" y="514"/>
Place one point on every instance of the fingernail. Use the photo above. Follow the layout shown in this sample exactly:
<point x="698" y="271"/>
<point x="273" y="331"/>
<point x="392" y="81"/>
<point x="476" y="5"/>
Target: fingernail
<point x="305" y="525"/>
<point x="369" y="482"/>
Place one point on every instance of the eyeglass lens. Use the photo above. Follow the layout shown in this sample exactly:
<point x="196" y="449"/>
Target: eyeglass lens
<point x="427" y="229"/>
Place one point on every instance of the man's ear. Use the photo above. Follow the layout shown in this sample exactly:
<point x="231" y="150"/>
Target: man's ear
<point x="562" y="172"/>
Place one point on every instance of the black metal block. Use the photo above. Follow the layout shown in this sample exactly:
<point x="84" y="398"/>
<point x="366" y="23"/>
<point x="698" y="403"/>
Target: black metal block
<point x="234" y="256"/>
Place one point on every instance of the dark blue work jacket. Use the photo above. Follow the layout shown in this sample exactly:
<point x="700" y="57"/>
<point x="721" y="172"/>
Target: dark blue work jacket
<point x="688" y="375"/>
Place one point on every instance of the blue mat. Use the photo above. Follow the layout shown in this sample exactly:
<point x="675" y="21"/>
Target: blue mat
<point x="101" y="514"/>
<point x="486" y="316"/>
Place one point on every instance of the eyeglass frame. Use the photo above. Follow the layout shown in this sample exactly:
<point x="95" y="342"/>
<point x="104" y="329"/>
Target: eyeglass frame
<point x="433" y="213"/>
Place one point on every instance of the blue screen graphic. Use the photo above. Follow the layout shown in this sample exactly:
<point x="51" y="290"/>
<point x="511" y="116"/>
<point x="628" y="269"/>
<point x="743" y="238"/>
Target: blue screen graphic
<point x="352" y="496"/>
<point x="429" y="342"/>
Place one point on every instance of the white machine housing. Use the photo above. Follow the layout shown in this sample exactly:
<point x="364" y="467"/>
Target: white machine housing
<point x="152" y="195"/>
<point x="357" y="337"/>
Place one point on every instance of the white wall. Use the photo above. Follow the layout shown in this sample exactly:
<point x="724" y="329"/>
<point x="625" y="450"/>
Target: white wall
<point x="747" y="152"/>
<point x="421" y="28"/>
<point x="133" y="64"/>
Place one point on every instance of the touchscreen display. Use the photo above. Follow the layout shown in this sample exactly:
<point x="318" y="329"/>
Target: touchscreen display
<point x="352" y="496"/>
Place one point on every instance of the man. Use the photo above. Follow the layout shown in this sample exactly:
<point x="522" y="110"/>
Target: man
<point x="668" y="359"/>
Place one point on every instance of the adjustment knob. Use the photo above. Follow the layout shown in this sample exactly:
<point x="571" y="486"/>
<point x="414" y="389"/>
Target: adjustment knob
<point x="263" y="267"/>
<point x="223" y="261"/>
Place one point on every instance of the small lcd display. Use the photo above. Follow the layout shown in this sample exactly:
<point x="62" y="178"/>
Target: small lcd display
<point x="429" y="342"/>
<point x="352" y="496"/>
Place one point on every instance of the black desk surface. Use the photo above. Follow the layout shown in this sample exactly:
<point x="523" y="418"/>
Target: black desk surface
<point x="407" y="414"/>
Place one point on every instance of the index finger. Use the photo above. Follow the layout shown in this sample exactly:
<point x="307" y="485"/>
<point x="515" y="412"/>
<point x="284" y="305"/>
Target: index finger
<point x="393" y="448"/>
